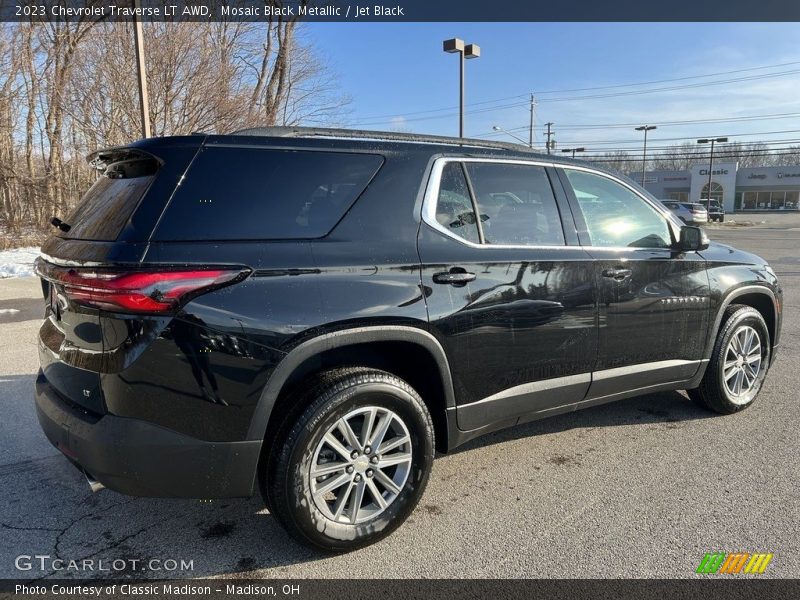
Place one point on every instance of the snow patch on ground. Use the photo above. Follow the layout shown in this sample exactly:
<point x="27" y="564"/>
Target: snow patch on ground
<point x="17" y="262"/>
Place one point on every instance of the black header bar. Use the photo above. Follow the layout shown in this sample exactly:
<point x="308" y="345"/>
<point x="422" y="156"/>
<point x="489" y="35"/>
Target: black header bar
<point x="361" y="11"/>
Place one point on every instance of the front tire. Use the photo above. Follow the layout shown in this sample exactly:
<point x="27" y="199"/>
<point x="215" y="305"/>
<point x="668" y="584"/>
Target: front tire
<point x="738" y="364"/>
<point x="354" y="465"/>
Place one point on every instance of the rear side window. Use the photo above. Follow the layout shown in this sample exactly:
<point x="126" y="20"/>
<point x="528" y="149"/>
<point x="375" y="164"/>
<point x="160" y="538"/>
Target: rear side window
<point x="254" y="194"/>
<point x="106" y="207"/>
<point x="454" y="209"/>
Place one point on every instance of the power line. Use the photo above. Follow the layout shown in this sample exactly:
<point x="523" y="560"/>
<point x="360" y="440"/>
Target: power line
<point x="696" y="158"/>
<point x="589" y="142"/>
<point x="672" y="88"/>
<point x="608" y="87"/>
<point x="366" y="121"/>
<point x="739" y="119"/>
<point x="791" y="145"/>
<point x="670" y="151"/>
<point x="666" y="152"/>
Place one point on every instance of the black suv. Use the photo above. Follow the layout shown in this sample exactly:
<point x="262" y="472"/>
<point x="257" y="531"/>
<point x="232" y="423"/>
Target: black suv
<point x="316" y="312"/>
<point x="716" y="212"/>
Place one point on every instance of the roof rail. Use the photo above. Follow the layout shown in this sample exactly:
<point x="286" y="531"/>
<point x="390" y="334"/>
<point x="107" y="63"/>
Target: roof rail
<point x="306" y="132"/>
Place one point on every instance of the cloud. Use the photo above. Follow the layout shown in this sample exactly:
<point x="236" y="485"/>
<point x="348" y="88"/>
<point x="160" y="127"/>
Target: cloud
<point x="398" y="123"/>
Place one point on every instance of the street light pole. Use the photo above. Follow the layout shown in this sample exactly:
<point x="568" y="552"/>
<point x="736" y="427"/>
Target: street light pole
<point x="519" y="139"/>
<point x="573" y="150"/>
<point x="645" y="128"/>
<point x="718" y="140"/>
<point x="144" y="100"/>
<point x="461" y="94"/>
<point x="464" y="51"/>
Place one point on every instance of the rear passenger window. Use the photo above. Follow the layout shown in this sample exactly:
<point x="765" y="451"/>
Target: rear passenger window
<point x="254" y="194"/>
<point x="516" y="204"/>
<point x="454" y="209"/>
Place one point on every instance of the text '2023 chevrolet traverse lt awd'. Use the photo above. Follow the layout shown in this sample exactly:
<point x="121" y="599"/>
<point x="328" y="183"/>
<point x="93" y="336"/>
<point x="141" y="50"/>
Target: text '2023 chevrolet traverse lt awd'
<point x="314" y="313"/>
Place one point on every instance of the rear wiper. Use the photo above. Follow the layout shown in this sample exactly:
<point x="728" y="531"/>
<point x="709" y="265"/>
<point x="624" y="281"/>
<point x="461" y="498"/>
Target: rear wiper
<point x="56" y="222"/>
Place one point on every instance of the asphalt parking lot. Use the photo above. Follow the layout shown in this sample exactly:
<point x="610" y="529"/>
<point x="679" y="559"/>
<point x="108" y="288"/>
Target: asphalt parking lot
<point x="640" y="488"/>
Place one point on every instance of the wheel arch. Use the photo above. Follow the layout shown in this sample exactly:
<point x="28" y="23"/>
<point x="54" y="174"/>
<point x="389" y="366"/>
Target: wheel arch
<point x="410" y="353"/>
<point x="759" y="297"/>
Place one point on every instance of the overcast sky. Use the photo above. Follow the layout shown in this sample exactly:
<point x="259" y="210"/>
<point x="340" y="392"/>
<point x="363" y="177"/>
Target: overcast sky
<point x="394" y="72"/>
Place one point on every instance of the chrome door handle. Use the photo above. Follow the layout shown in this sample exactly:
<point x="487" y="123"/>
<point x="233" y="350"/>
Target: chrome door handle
<point x="617" y="273"/>
<point x="454" y="277"/>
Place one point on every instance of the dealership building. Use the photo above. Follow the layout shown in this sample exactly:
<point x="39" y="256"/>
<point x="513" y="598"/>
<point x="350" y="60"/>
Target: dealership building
<point x="739" y="190"/>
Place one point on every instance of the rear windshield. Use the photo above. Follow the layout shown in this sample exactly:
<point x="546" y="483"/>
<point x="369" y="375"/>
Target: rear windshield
<point x="255" y="194"/>
<point x="106" y="207"/>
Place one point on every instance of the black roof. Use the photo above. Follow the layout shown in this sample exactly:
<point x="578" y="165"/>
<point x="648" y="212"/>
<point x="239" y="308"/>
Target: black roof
<point x="334" y="138"/>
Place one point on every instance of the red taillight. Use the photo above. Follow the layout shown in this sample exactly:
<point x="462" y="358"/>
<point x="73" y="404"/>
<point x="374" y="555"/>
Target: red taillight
<point x="137" y="291"/>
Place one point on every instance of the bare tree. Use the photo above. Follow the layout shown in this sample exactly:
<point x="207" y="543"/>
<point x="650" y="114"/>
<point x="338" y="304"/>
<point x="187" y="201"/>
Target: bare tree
<point x="677" y="158"/>
<point x="747" y="155"/>
<point x="788" y="158"/>
<point x="618" y="160"/>
<point x="67" y="88"/>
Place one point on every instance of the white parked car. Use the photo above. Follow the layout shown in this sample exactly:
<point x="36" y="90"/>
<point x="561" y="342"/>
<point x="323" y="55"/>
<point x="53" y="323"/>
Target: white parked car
<point x="688" y="212"/>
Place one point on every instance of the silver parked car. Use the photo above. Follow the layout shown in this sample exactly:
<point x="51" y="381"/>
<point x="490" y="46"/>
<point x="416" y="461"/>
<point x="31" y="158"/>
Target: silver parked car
<point x="688" y="212"/>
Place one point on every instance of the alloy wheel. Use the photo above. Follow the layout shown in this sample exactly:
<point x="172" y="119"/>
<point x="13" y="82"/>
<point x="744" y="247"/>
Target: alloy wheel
<point x="360" y="465"/>
<point x="742" y="363"/>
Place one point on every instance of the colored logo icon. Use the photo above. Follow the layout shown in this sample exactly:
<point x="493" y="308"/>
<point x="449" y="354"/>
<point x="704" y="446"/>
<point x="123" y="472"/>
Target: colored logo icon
<point x="733" y="563"/>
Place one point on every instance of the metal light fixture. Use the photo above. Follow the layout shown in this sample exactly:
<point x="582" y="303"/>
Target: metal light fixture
<point x="573" y="150"/>
<point x="519" y="139"/>
<point x="464" y="51"/>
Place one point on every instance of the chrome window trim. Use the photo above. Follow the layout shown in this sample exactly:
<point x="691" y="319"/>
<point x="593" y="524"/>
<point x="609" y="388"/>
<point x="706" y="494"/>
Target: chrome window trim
<point x="431" y="197"/>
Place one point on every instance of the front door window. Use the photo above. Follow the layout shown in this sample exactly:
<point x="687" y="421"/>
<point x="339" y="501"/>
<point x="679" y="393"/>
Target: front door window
<point x="615" y="216"/>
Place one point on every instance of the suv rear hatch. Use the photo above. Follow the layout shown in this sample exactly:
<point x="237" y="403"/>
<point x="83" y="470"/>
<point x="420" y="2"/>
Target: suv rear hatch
<point x="105" y="235"/>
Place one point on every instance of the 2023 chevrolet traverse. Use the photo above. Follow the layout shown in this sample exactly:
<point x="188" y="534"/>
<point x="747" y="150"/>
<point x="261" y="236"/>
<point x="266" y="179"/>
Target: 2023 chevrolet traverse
<point x="315" y="312"/>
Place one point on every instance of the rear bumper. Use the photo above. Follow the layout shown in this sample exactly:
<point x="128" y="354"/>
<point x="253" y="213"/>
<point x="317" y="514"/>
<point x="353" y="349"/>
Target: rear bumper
<point x="138" y="458"/>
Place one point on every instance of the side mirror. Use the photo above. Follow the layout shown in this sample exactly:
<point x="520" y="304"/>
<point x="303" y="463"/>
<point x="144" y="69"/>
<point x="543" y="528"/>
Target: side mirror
<point x="692" y="239"/>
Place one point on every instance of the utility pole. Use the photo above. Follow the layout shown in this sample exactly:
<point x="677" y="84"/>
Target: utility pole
<point x="533" y="117"/>
<point x="549" y="133"/>
<point x="144" y="101"/>
<point x="645" y="128"/>
<point x="712" y="141"/>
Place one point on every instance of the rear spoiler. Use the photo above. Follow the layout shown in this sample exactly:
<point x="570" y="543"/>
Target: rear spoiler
<point x="101" y="159"/>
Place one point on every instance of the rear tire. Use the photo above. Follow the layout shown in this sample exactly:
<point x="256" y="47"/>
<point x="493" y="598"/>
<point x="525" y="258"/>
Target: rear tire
<point x="739" y="362"/>
<point x="352" y="468"/>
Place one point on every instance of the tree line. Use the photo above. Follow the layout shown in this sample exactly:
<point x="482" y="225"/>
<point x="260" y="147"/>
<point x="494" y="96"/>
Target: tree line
<point x="682" y="157"/>
<point x="69" y="88"/>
